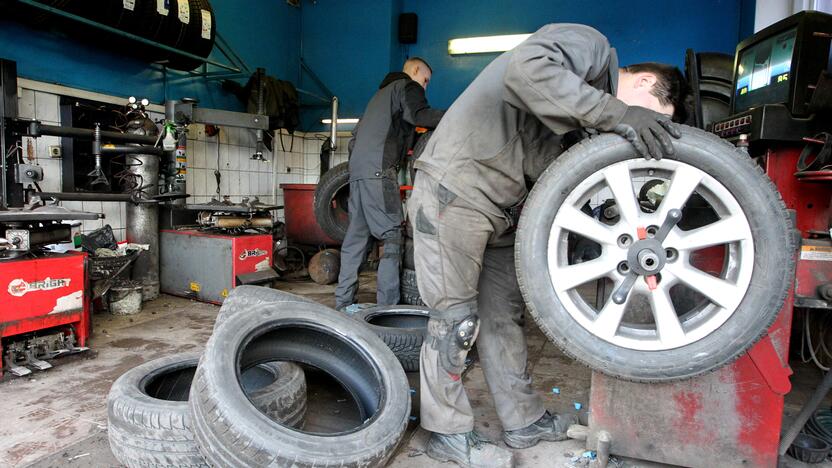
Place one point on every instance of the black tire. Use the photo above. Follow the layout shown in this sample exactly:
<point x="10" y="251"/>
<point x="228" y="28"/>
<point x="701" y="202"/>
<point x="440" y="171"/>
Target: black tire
<point x="418" y="149"/>
<point x="331" y="203"/>
<point x="232" y="432"/>
<point x="773" y="269"/>
<point x="403" y="329"/>
<point x="149" y="422"/>
<point x="414" y="380"/>
<point x="409" y="288"/>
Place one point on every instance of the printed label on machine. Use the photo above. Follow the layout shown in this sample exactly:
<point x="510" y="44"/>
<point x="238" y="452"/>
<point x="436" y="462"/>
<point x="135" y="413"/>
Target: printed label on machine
<point x="184" y="12"/>
<point x="18" y="287"/>
<point x="252" y="253"/>
<point x="129" y="4"/>
<point x="163" y="7"/>
<point x="206" y="24"/>
<point x="816" y="252"/>
<point x="195" y="287"/>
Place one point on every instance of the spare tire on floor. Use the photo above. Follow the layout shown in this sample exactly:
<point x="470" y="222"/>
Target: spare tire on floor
<point x="403" y="329"/>
<point x="230" y="431"/>
<point x="409" y="288"/>
<point x="739" y="267"/>
<point x="331" y="203"/>
<point x="245" y="297"/>
<point x="149" y="422"/>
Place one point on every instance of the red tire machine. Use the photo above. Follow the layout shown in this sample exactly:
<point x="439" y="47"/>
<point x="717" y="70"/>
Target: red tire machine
<point x="232" y="244"/>
<point x="733" y="416"/>
<point x="44" y="305"/>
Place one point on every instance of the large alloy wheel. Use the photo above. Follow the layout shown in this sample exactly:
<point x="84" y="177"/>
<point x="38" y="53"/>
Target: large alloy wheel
<point x="654" y="270"/>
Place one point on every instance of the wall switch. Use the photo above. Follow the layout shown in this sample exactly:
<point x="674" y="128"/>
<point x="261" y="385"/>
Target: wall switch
<point x="54" y="151"/>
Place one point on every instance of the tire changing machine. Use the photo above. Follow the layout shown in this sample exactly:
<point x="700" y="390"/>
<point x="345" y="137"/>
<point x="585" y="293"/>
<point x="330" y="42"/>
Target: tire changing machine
<point x="733" y="416"/>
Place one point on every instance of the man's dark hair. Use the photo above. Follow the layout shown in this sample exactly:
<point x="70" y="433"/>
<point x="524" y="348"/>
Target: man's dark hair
<point x="671" y="88"/>
<point x="420" y="60"/>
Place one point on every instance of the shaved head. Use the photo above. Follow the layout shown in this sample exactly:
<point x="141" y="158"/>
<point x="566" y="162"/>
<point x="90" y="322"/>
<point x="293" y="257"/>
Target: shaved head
<point x="418" y="70"/>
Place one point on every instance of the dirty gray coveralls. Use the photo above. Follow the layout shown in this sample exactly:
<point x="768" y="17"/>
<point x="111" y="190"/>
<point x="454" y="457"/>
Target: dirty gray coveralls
<point x="507" y="125"/>
<point x="375" y="207"/>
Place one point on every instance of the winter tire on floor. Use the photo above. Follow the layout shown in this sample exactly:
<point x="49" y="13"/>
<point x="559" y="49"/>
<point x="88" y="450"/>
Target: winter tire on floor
<point x="331" y="202"/>
<point x="232" y="433"/>
<point x="244" y="297"/>
<point x="718" y="286"/>
<point x="409" y="288"/>
<point x="149" y="422"/>
<point x="403" y="329"/>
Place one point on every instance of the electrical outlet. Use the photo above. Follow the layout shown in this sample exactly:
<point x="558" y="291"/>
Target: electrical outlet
<point x="54" y="151"/>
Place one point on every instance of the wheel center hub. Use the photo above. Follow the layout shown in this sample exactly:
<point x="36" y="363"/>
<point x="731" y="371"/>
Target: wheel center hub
<point x="646" y="257"/>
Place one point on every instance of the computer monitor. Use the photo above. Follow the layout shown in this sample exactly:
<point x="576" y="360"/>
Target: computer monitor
<point x="782" y="63"/>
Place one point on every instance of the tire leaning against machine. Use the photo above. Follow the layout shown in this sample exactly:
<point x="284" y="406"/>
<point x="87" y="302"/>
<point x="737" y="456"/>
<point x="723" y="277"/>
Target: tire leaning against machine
<point x="403" y="329"/>
<point x="767" y="231"/>
<point x="331" y="201"/>
<point x="232" y="432"/>
<point x="149" y="423"/>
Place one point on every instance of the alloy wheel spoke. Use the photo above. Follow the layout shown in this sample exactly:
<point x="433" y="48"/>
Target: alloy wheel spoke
<point x="572" y="276"/>
<point x="668" y="327"/>
<point x="609" y="319"/>
<point x="621" y="185"/>
<point x="684" y="182"/>
<point x="724" y="231"/>
<point x="578" y="222"/>
<point x="721" y="292"/>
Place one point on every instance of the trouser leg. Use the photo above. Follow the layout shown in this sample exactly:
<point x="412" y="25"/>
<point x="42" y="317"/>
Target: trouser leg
<point x="383" y="212"/>
<point x="449" y="241"/>
<point x="501" y="344"/>
<point x="353" y="249"/>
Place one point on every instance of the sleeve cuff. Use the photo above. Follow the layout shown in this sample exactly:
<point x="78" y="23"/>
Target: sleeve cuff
<point x="611" y="115"/>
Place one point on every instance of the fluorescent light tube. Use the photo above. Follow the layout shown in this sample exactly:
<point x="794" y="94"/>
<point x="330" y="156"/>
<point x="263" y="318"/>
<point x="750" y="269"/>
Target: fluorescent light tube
<point x="340" y="121"/>
<point x="485" y="44"/>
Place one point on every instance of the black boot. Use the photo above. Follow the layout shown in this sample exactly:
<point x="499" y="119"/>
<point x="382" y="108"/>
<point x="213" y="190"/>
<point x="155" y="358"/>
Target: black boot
<point x="549" y="427"/>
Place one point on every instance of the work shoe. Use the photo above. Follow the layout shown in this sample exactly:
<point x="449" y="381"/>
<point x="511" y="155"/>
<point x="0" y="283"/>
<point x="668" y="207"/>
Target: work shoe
<point x="469" y="450"/>
<point x="549" y="427"/>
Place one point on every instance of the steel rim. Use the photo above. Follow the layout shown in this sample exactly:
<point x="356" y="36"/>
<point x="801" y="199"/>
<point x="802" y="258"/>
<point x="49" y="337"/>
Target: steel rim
<point x="670" y="328"/>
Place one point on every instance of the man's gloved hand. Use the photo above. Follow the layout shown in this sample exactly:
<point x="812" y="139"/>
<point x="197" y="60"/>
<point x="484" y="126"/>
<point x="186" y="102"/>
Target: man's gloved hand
<point x="648" y="131"/>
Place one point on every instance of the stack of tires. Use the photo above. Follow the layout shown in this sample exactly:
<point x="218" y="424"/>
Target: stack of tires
<point x="242" y="402"/>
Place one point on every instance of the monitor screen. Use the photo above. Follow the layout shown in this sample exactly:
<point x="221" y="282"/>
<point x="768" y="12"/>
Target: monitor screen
<point x="763" y="72"/>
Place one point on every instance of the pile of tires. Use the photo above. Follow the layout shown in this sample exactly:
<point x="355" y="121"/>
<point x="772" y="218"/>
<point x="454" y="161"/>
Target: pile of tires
<point x="331" y="201"/>
<point x="209" y="413"/>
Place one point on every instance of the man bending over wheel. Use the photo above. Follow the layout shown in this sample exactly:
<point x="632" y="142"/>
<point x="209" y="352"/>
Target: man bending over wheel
<point x="472" y="179"/>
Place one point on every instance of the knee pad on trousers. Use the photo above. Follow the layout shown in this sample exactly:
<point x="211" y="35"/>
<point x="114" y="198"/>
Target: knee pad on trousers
<point x="454" y="343"/>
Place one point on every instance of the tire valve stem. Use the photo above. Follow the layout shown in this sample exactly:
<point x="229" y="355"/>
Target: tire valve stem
<point x="652" y="284"/>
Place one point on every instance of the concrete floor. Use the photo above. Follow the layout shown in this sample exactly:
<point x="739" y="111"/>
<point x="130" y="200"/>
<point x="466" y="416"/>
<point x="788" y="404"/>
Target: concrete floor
<point x="58" y="418"/>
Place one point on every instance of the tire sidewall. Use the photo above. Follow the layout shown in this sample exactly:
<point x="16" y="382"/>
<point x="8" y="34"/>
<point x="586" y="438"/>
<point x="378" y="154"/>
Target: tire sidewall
<point x="773" y="263"/>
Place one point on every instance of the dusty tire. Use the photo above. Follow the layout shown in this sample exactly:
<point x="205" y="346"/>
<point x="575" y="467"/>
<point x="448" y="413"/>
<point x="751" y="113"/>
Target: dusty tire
<point x="149" y="422"/>
<point x="408" y="262"/>
<point x="245" y="297"/>
<point x="771" y="267"/>
<point x="409" y="288"/>
<point x="331" y="202"/>
<point x="402" y="328"/>
<point x="232" y="432"/>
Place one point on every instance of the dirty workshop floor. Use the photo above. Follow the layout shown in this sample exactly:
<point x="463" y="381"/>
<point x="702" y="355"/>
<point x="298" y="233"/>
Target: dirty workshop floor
<point x="58" y="418"/>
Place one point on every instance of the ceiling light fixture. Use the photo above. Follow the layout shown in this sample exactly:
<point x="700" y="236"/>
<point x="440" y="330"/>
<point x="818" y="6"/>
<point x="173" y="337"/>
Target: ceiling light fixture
<point x="340" y="121"/>
<point x="484" y="44"/>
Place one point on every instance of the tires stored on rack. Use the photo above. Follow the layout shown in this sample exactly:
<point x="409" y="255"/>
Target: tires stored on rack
<point x="738" y="269"/>
<point x="148" y="417"/>
<point x="409" y="288"/>
<point x="232" y="432"/>
<point x="403" y="329"/>
<point x="331" y="202"/>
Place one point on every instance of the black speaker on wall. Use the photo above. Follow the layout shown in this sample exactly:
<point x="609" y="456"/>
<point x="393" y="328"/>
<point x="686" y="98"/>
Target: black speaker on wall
<point x="408" y="28"/>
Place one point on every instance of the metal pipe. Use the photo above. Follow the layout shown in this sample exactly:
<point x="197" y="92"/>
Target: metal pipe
<point x="86" y="196"/>
<point x="128" y="35"/>
<point x="127" y="149"/>
<point x="309" y="93"/>
<point x="807" y="410"/>
<point x="37" y="129"/>
<point x="261" y="86"/>
<point x="333" y="131"/>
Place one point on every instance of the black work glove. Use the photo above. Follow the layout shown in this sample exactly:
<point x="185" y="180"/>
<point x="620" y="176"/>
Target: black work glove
<point x="648" y="131"/>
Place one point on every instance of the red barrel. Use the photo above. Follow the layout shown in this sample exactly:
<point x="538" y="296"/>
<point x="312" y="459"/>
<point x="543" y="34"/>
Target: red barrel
<point x="301" y="225"/>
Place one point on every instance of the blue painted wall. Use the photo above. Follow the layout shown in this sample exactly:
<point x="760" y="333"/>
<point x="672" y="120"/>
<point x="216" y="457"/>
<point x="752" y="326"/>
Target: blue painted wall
<point x="352" y="36"/>
<point x="264" y="33"/>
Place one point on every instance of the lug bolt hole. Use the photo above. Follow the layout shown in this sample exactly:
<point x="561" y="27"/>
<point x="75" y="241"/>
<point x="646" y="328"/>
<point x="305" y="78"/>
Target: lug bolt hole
<point x="671" y="254"/>
<point x="652" y="230"/>
<point x="623" y="268"/>
<point x="624" y="240"/>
